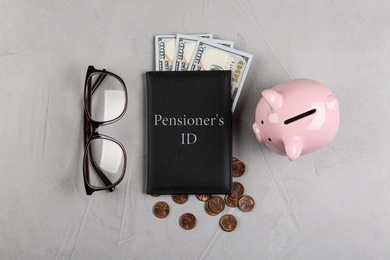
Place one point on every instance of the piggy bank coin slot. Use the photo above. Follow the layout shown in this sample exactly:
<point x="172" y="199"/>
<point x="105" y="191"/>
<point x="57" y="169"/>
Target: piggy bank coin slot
<point x="300" y="116"/>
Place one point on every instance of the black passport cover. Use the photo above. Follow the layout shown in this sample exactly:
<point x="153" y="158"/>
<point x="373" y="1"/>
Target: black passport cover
<point x="189" y="132"/>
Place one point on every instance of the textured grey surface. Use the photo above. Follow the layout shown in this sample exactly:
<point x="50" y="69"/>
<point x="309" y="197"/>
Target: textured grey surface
<point x="332" y="204"/>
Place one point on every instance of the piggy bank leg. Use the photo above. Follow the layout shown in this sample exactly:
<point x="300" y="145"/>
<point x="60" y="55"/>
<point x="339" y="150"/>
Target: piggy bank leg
<point x="256" y="130"/>
<point x="293" y="147"/>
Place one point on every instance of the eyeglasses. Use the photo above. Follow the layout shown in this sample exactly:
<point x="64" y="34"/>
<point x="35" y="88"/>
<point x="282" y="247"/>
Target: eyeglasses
<point x="105" y="102"/>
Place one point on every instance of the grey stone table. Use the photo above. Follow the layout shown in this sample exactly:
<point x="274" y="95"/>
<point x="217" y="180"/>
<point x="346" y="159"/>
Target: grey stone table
<point x="331" y="204"/>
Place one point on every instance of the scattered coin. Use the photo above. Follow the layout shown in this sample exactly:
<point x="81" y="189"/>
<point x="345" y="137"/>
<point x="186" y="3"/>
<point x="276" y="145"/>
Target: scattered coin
<point x="216" y="204"/>
<point x="246" y="203"/>
<point x="238" y="168"/>
<point x="208" y="211"/>
<point x="228" y="222"/>
<point x="238" y="190"/>
<point x="180" y="199"/>
<point x="234" y="159"/>
<point x="187" y="221"/>
<point x="161" y="209"/>
<point x="230" y="201"/>
<point x="154" y="195"/>
<point x="203" y="197"/>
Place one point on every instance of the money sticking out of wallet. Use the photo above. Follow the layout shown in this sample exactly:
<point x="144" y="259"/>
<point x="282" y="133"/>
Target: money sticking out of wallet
<point x="201" y="52"/>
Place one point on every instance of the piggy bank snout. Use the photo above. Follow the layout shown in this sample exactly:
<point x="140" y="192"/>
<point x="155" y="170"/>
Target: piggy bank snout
<point x="257" y="132"/>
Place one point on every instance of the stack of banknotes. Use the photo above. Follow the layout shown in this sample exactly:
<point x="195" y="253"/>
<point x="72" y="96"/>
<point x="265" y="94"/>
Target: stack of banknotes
<point x="201" y="52"/>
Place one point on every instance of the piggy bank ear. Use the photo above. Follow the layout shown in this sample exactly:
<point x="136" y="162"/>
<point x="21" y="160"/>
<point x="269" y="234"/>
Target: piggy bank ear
<point x="293" y="147"/>
<point x="273" y="98"/>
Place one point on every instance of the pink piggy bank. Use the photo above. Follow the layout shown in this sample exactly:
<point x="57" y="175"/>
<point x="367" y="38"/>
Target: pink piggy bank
<point x="296" y="117"/>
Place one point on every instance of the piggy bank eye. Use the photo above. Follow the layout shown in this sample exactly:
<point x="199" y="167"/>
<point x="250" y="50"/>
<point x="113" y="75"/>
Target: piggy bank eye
<point x="262" y="122"/>
<point x="269" y="139"/>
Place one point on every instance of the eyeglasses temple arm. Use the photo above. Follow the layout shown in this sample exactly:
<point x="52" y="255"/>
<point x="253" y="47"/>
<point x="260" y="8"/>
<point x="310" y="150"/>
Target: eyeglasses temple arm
<point x="101" y="175"/>
<point x="98" y="81"/>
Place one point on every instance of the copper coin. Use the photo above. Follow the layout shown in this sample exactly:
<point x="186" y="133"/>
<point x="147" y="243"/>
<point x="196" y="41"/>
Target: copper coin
<point x="234" y="159"/>
<point x="228" y="223"/>
<point x="154" y="195"/>
<point x="187" y="221"/>
<point x="238" y="168"/>
<point x="230" y="201"/>
<point x="208" y="211"/>
<point x="161" y="209"/>
<point x="180" y="199"/>
<point x="203" y="197"/>
<point x="246" y="203"/>
<point x="216" y="204"/>
<point x="238" y="190"/>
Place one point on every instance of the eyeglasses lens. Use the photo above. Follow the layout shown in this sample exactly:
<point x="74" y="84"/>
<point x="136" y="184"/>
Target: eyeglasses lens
<point x="107" y="98"/>
<point x="106" y="162"/>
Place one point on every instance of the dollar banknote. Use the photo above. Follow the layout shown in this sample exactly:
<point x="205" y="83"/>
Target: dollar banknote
<point x="164" y="52"/>
<point x="165" y="46"/>
<point x="212" y="56"/>
<point x="185" y="46"/>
